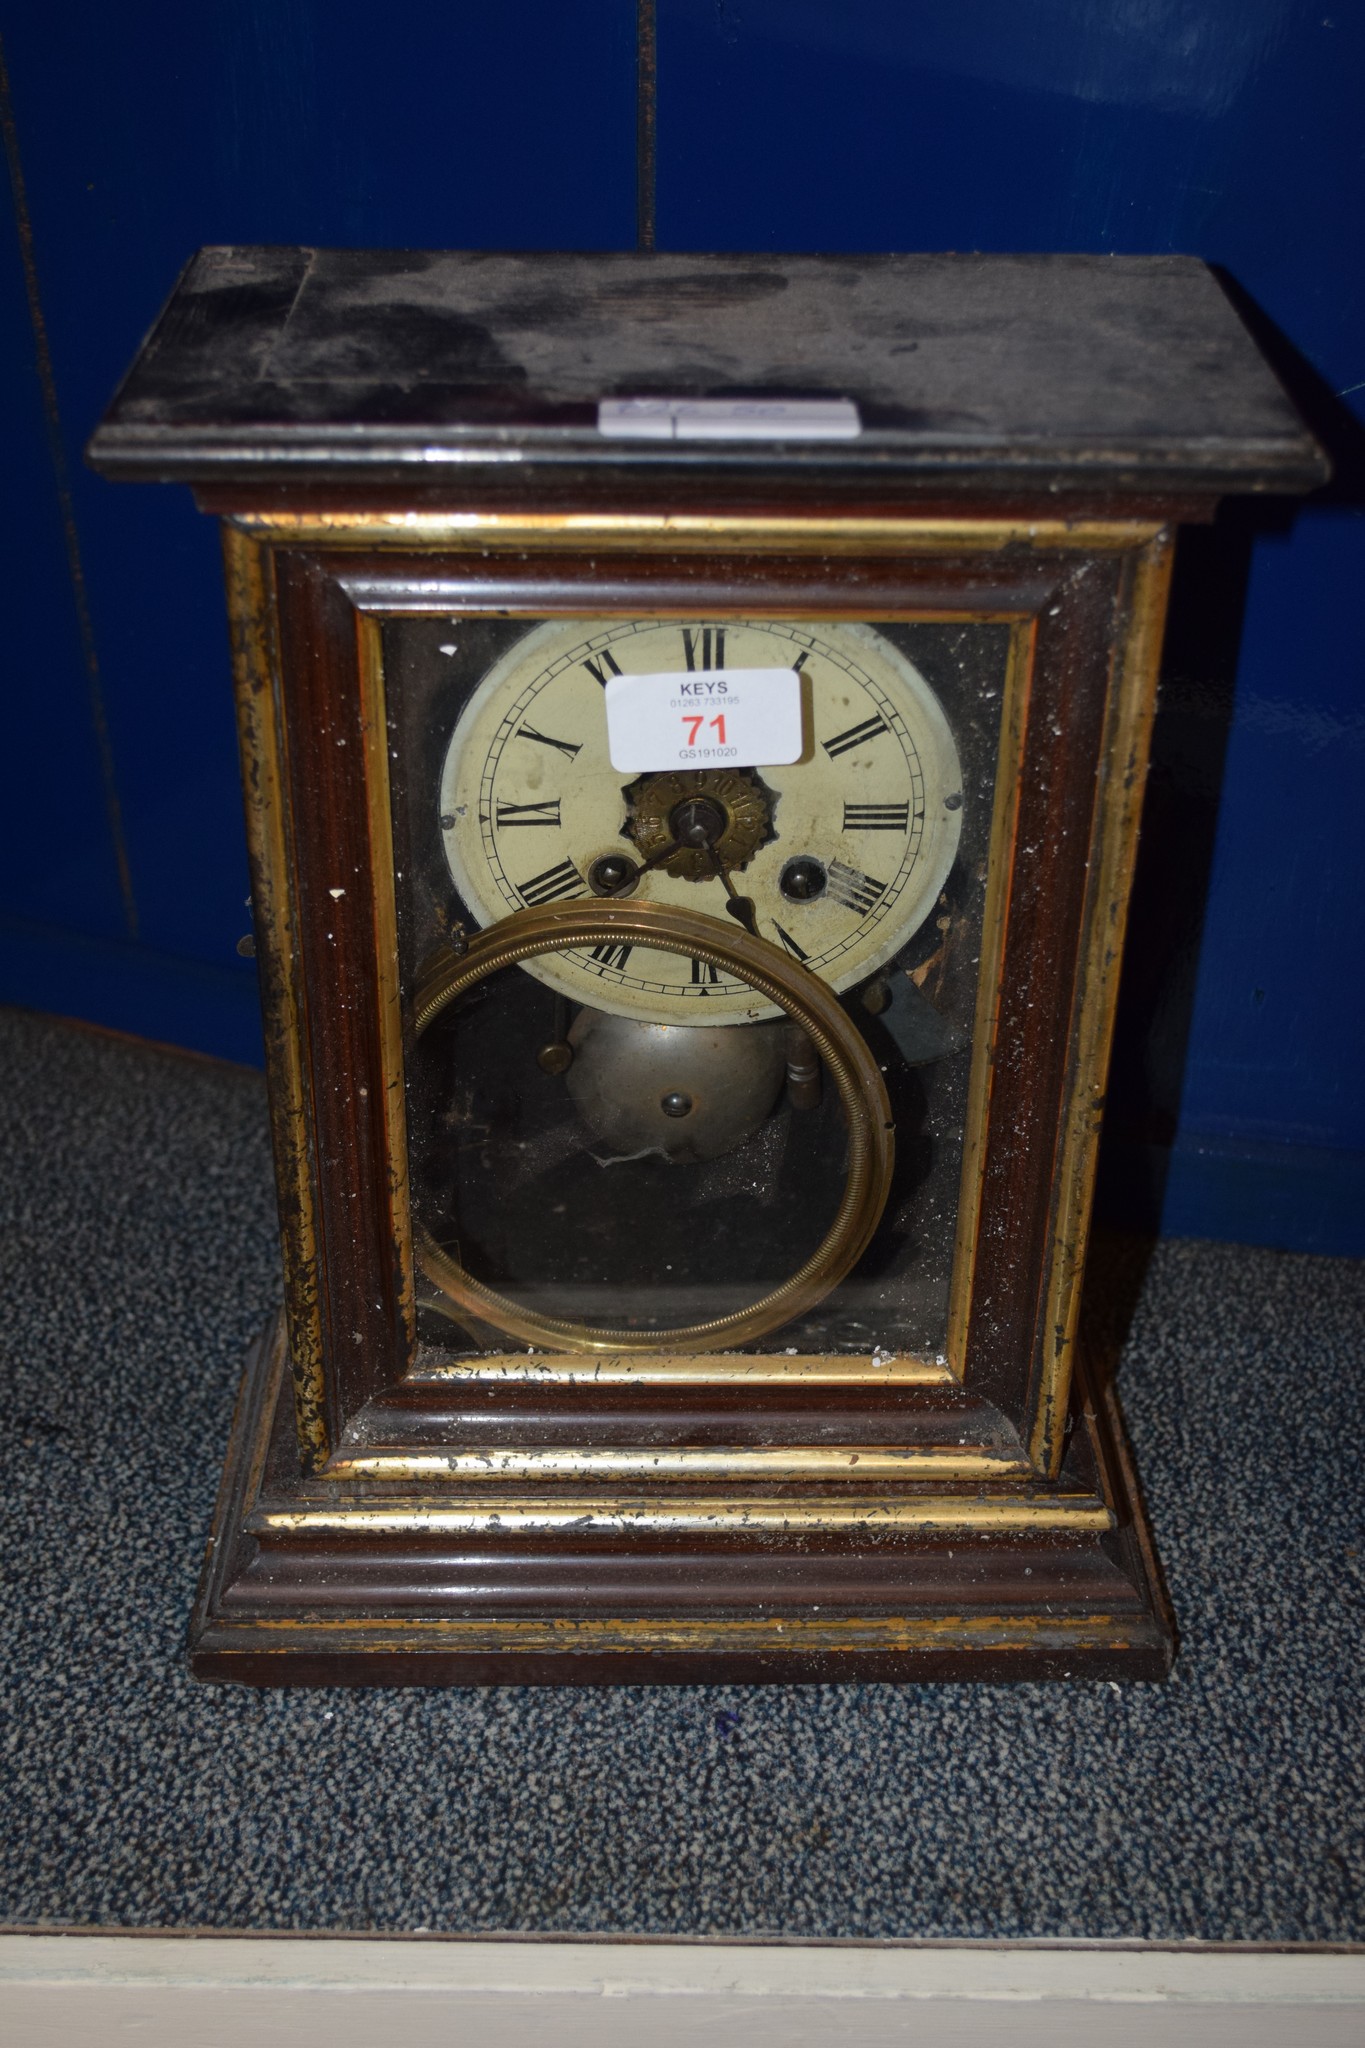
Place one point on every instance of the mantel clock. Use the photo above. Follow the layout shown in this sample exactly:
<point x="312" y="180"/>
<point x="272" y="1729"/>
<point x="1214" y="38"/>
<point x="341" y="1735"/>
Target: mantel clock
<point x="694" y="713"/>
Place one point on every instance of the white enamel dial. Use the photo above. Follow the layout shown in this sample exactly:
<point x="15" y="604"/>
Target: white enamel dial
<point x="870" y="814"/>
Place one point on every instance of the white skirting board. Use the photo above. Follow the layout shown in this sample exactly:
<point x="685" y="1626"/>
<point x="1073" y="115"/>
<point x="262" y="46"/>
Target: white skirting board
<point x="216" y="1991"/>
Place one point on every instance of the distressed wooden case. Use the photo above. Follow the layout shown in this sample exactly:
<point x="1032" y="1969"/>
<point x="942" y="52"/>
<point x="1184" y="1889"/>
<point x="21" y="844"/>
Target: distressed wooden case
<point x="385" y="436"/>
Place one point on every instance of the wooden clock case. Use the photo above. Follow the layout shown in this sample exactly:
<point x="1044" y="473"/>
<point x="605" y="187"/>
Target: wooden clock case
<point x="385" y="434"/>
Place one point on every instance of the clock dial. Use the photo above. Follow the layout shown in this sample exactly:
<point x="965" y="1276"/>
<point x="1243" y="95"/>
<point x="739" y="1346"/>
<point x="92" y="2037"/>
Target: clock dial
<point x="840" y="855"/>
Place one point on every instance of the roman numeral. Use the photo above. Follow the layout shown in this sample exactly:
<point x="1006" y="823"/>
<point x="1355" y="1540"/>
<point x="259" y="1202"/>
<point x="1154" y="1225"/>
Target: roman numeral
<point x="608" y="669"/>
<point x="528" y="814"/>
<point x="876" y="817"/>
<point x="612" y="955"/>
<point x="854" y="891"/>
<point x="702" y="970"/>
<point x="561" y="880"/>
<point x="709" y="643"/>
<point x="528" y="732"/>
<point x="856" y="736"/>
<point x="790" y="943"/>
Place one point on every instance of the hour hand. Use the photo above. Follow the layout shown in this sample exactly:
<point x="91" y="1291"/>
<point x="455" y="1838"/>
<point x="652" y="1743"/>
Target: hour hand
<point x="741" y="908"/>
<point x="698" y="822"/>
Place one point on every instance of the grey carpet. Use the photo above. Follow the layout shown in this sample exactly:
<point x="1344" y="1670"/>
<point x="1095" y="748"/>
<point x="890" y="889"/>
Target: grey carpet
<point x="139" y="1257"/>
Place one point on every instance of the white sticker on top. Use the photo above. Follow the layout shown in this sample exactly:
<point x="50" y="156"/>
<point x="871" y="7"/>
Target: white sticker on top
<point x="729" y="419"/>
<point x="704" y="718"/>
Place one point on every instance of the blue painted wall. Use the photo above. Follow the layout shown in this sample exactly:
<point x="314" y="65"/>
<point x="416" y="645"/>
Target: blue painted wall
<point x="1225" y="128"/>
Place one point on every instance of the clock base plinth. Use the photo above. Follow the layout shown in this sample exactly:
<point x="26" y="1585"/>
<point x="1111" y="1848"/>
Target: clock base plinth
<point x="318" y="1582"/>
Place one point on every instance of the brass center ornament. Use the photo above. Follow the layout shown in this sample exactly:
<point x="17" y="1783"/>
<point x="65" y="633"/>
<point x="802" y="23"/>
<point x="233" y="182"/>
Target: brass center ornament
<point x="655" y="801"/>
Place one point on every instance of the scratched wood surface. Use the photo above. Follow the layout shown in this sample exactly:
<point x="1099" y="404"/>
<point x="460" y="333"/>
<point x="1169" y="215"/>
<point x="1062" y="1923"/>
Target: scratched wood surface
<point x="983" y="369"/>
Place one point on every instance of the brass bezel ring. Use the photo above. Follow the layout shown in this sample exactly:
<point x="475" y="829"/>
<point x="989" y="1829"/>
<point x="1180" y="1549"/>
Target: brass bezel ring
<point x="809" y="1002"/>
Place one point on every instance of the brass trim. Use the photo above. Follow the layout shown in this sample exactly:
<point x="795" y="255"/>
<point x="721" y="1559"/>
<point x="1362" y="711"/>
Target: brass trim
<point x="721" y="1515"/>
<point x="762" y="1633"/>
<point x="985" y="1028"/>
<point x="375" y="734"/>
<point x="263" y="743"/>
<point x="805" y="998"/>
<point x="720" y="1461"/>
<point x="484" y="531"/>
<point x="687" y="1369"/>
<point x="1113" y="855"/>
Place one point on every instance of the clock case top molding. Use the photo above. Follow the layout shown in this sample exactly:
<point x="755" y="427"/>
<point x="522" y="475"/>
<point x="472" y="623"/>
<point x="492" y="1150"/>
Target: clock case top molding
<point x="388" y="434"/>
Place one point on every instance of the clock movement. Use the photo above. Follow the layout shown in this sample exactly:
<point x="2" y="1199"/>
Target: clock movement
<point x="694" y="713"/>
